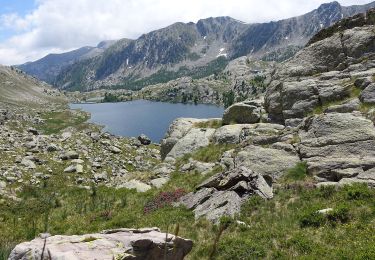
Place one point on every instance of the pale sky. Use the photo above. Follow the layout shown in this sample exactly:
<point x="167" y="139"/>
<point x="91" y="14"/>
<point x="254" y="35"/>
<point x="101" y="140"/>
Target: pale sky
<point x="30" y="29"/>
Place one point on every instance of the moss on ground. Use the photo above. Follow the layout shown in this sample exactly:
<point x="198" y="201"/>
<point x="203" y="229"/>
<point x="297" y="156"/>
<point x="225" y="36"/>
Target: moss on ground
<point x="54" y="122"/>
<point x="216" y="123"/>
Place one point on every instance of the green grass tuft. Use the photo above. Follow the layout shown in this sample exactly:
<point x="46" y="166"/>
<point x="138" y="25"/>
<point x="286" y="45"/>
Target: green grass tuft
<point x="212" y="152"/>
<point x="297" y="173"/>
<point x="89" y="239"/>
<point x="216" y="123"/>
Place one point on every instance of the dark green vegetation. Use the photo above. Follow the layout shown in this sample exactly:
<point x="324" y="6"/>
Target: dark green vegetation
<point x="299" y="172"/>
<point x="282" y="228"/>
<point x="163" y="75"/>
<point x="110" y="98"/>
<point x="228" y="98"/>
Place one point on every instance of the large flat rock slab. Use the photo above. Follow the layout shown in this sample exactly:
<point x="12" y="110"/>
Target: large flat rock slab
<point x="196" y="138"/>
<point x="139" y="244"/>
<point x="267" y="161"/>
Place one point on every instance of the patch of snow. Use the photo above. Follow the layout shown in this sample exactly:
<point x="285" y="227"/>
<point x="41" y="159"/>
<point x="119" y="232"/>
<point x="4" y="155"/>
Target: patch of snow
<point x="127" y="61"/>
<point x="321" y="25"/>
<point x="286" y="38"/>
<point x="342" y="16"/>
<point x="222" y="55"/>
<point x="130" y="67"/>
<point x="204" y="37"/>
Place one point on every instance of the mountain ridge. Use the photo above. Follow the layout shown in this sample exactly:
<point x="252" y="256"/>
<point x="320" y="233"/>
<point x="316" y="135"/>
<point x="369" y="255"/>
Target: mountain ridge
<point x="183" y="47"/>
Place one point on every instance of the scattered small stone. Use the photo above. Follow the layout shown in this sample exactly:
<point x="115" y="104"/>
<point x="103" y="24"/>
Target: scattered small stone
<point x="52" y="148"/>
<point x="144" y="139"/>
<point x="70" y="155"/>
<point x="138" y="185"/>
<point x="98" y="177"/>
<point x="114" y="149"/>
<point x="28" y="163"/>
<point x="159" y="182"/>
<point x="325" y="211"/>
<point x="78" y="161"/>
<point x="33" y="131"/>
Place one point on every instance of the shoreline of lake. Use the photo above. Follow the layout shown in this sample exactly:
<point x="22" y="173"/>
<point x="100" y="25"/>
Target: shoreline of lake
<point x="152" y="118"/>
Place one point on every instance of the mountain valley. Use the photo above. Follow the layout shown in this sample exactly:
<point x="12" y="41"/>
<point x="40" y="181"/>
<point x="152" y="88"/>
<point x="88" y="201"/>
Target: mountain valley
<point x="287" y="172"/>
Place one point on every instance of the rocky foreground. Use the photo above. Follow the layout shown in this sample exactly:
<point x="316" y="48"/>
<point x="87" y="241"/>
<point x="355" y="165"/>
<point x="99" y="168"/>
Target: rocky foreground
<point x="316" y="121"/>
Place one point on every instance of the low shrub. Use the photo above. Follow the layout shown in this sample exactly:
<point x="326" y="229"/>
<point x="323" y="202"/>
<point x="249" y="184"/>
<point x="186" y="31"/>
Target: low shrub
<point x="357" y="192"/>
<point x="339" y="214"/>
<point x="300" y="243"/>
<point x="327" y="191"/>
<point x="240" y="249"/>
<point x="163" y="199"/>
<point x="297" y="173"/>
<point x="312" y="219"/>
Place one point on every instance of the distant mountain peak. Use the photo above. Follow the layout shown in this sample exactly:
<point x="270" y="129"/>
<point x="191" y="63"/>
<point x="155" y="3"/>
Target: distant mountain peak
<point x="177" y="49"/>
<point x="105" y="44"/>
<point x="330" y="7"/>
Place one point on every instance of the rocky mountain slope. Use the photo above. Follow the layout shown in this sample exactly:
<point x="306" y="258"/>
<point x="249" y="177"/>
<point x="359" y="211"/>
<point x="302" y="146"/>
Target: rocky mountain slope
<point x="242" y="78"/>
<point x="290" y="34"/>
<point x="189" y="49"/>
<point x="17" y="88"/>
<point x="47" y="68"/>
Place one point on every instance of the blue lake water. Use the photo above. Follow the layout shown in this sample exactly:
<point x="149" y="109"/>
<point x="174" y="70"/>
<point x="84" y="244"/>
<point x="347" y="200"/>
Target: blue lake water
<point x="144" y="117"/>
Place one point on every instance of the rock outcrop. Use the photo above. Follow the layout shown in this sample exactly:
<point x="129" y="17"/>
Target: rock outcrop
<point x="243" y="113"/>
<point x="148" y="243"/>
<point x="327" y="72"/>
<point x="224" y="193"/>
<point x="270" y="162"/>
<point x="327" y="92"/>
<point x="338" y="146"/>
<point x="196" y="138"/>
<point x="177" y="130"/>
